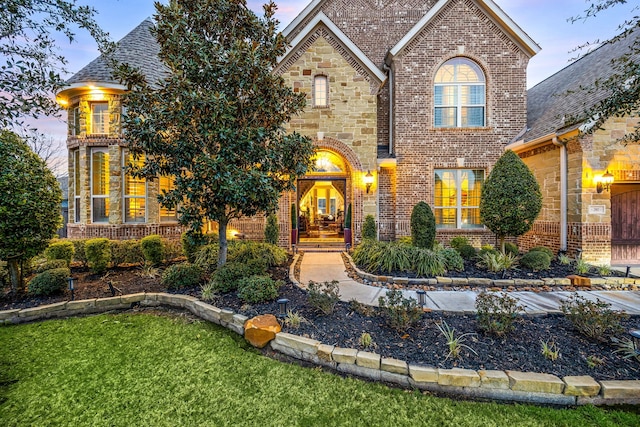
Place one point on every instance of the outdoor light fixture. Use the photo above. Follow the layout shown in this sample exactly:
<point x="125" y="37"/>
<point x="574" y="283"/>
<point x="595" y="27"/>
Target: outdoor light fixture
<point x="72" y="286"/>
<point x="422" y="297"/>
<point x="605" y="181"/>
<point x="635" y="335"/>
<point x="282" y="307"/>
<point x="368" y="180"/>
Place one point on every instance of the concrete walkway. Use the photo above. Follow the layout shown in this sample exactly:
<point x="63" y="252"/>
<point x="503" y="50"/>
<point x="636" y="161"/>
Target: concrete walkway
<point x="328" y="266"/>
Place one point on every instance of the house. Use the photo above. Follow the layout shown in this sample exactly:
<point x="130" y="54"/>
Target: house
<point x="406" y="101"/>
<point x="582" y="213"/>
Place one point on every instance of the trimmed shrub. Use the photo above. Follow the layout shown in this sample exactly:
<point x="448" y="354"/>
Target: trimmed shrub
<point x="451" y="259"/>
<point x="467" y="251"/>
<point x="324" y="296"/>
<point x="39" y="266"/>
<point x="153" y="249"/>
<point x="244" y="251"/>
<point x="536" y="260"/>
<point x="459" y="241"/>
<point x="369" y="231"/>
<point x="183" y="275"/>
<point x="49" y="282"/>
<point x="257" y="289"/>
<point x="172" y="250"/>
<point x="229" y="277"/>
<point x="271" y="230"/>
<point x="423" y="226"/>
<point x="78" y="251"/>
<point x="496" y="313"/>
<point x="401" y="313"/>
<point x="511" y="248"/>
<point x="191" y="242"/>
<point x="62" y="249"/>
<point x="593" y="319"/>
<point x="98" y="253"/>
<point x="126" y="252"/>
<point x="543" y="249"/>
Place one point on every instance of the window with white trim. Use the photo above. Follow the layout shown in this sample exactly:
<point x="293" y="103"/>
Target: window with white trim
<point x="99" y="118"/>
<point x="166" y="184"/>
<point x="100" y="184"/>
<point x="76" y="185"/>
<point x="135" y="191"/>
<point x="457" y="198"/>
<point x="320" y="91"/>
<point x="459" y="94"/>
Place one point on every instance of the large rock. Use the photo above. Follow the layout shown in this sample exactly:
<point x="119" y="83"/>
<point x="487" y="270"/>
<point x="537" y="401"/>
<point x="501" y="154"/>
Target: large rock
<point x="261" y="329"/>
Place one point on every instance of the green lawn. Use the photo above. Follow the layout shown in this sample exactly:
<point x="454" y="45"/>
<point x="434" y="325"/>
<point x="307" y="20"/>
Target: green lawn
<point x="147" y="370"/>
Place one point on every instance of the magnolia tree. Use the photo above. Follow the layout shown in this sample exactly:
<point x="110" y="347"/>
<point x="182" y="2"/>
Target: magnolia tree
<point x="216" y="123"/>
<point x="29" y="204"/>
<point x="511" y="198"/>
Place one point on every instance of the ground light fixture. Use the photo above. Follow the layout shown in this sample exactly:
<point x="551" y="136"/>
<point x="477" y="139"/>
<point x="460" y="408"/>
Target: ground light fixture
<point x="635" y="336"/>
<point x="368" y="180"/>
<point x="604" y="183"/>
<point x="422" y="297"/>
<point x="282" y="307"/>
<point x="72" y="286"/>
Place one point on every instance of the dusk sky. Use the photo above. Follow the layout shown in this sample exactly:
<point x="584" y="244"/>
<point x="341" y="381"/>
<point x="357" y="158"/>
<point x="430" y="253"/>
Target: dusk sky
<point x="545" y="21"/>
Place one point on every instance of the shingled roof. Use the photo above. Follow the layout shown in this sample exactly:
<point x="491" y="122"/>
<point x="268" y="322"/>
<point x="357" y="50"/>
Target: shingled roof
<point x="139" y="49"/>
<point x="553" y="101"/>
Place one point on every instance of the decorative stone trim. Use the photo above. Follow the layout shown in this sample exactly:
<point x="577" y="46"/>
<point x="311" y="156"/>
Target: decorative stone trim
<point x="510" y="386"/>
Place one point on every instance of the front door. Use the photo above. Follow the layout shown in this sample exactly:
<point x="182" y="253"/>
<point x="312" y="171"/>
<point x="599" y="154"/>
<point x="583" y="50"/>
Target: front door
<point x="625" y="224"/>
<point x="321" y="207"/>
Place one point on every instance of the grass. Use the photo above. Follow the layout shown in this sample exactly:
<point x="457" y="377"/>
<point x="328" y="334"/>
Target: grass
<point x="165" y="370"/>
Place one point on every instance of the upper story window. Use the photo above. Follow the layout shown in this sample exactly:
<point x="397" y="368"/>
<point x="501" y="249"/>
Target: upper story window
<point x="74" y="120"/>
<point x="135" y="192"/>
<point x="320" y="91"/>
<point x="457" y="198"/>
<point x="459" y="94"/>
<point x="100" y="118"/>
<point x="100" y="184"/>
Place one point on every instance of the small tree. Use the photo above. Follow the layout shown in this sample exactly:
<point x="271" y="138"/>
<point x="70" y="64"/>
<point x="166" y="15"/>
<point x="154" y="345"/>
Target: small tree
<point x="511" y="198"/>
<point x="271" y="231"/>
<point x="423" y="226"/>
<point x="30" y="200"/>
<point x="369" y="228"/>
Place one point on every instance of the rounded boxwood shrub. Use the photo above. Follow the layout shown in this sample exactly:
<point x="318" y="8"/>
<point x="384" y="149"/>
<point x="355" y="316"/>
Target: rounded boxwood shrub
<point x="467" y="251"/>
<point x="62" y="249"/>
<point x="536" y="260"/>
<point x="228" y="277"/>
<point x="459" y="241"/>
<point x="452" y="259"/>
<point x="78" y="251"/>
<point x="126" y="252"/>
<point x="543" y="249"/>
<point x="369" y="231"/>
<point x="257" y="289"/>
<point x="153" y="249"/>
<point x="183" y="275"/>
<point x="98" y="253"/>
<point x="49" y="282"/>
<point x="423" y="226"/>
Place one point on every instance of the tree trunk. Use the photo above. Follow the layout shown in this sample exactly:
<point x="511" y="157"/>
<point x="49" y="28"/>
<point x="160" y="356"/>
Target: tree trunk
<point x="222" y="248"/>
<point x="502" y="244"/>
<point x="13" y="265"/>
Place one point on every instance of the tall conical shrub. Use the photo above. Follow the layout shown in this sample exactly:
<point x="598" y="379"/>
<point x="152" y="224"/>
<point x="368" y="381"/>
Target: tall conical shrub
<point x="347" y="218"/>
<point x="271" y="230"/>
<point x="423" y="226"/>
<point x="369" y="231"/>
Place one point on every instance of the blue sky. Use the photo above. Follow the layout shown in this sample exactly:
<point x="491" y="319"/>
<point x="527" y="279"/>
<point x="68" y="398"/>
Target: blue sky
<point x="545" y="21"/>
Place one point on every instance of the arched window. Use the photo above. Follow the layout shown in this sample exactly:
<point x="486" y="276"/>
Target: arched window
<point x="320" y="91"/>
<point x="459" y="94"/>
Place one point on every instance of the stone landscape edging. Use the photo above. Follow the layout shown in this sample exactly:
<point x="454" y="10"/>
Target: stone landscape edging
<point x="512" y="386"/>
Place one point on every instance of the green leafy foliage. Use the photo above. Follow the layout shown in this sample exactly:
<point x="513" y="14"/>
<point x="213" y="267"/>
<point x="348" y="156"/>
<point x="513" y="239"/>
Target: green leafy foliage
<point x="511" y="199"/>
<point x="487" y="249"/>
<point x="582" y="267"/>
<point x="423" y="226"/>
<point x="185" y="275"/>
<point x="401" y="313"/>
<point x="535" y="260"/>
<point x="30" y="200"/>
<point x="229" y="277"/>
<point x="78" y="251"/>
<point x="62" y="249"/>
<point x="347" y="217"/>
<point x="324" y="296"/>
<point x="496" y="261"/>
<point x="98" y="253"/>
<point x="454" y="341"/>
<point x="256" y="289"/>
<point x="126" y="252"/>
<point x="467" y="251"/>
<point x="207" y="258"/>
<point x="451" y="259"/>
<point x="192" y="242"/>
<point x="496" y="313"/>
<point x="271" y="230"/>
<point x="49" y="282"/>
<point x="544" y="249"/>
<point x="172" y="250"/>
<point x="593" y="319"/>
<point x="38" y="266"/>
<point x="294" y="216"/>
<point x="369" y="229"/>
<point x="153" y="249"/>
<point x="245" y="251"/>
<point x="459" y="241"/>
<point x="224" y="111"/>
<point x="426" y="262"/>
<point x="511" y="248"/>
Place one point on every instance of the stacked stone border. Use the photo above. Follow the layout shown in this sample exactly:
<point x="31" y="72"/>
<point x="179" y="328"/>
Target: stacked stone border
<point x="513" y="386"/>
<point x="584" y="283"/>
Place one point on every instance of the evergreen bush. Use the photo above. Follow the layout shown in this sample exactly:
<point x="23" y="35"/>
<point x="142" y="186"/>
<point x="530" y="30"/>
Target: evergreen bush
<point x="244" y="251"/>
<point x="98" y="253"/>
<point x="511" y="248"/>
<point x="78" y="251"/>
<point x="401" y="313"/>
<point x="467" y="251"/>
<point x="207" y="257"/>
<point x="324" y="296"/>
<point x="183" y="275"/>
<point x="347" y="218"/>
<point x="451" y="259"/>
<point x="459" y="241"/>
<point x="229" y="277"/>
<point x="423" y="226"/>
<point x="256" y="289"/>
<point x="126" y="252"/>
<point x="271" y="230"/>
<point x="593" y="319"/>
<point x="39" y="266"/>
<point x="369" y="231"/>
<point x="496" y="313"/>
<point x="61" y="249"/>
<point x="536" y="260"/>
<point x="153" y="249"/>
<point x="191" y="243"/>
<point x="49" y="282"/>
<point x="544" y="249"/>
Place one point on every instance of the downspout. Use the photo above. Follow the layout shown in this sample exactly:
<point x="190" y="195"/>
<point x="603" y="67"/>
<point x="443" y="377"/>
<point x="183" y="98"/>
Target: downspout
<point x="564" y="179"/>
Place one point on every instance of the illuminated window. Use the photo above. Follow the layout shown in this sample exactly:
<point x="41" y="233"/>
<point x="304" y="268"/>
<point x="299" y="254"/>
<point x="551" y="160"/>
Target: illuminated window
<point x="74" y="120"/>
<point x="457" y="198"/>
<point x="100" y="118"/>
<point x="76" y="185"/>
<point x="167" y="184"/>
<point x="100" y="184"/>
<point x="459" y="94"/>
<point x="135" y="192"/>
<point x="320" y="91"/>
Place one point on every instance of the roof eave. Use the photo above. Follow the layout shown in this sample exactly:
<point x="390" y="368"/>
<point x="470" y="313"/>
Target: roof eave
<point x="301" y="17"/>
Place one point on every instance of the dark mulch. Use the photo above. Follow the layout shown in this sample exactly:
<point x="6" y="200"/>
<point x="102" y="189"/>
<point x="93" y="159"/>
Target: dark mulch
<point x="422" y="344"/>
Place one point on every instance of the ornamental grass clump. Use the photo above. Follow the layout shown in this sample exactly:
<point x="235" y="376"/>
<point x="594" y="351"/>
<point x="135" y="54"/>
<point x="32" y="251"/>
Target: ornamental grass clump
<point x="324" y="296"/>
<point x="401" y="313"/>
<point x="593" y="319"/>
<point x="496" y="313"/>
<point x="496" y="261"/>
<point x="454" y="342"/>
<point x="426" y="262"/>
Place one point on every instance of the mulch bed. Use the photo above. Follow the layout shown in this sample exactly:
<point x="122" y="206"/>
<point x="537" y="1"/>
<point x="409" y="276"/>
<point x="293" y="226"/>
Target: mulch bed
<point x="421" y="344"/>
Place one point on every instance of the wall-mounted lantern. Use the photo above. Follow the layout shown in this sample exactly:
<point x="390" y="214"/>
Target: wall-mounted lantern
<point x="604" y="183"/>
<point x="368" y="180"/>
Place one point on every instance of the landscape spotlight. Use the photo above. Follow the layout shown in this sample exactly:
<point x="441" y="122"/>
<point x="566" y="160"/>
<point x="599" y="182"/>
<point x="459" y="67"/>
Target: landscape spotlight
<point x="422" y="297"/>
<point x="72" y="286"/>
<point x="282" y="307"/>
